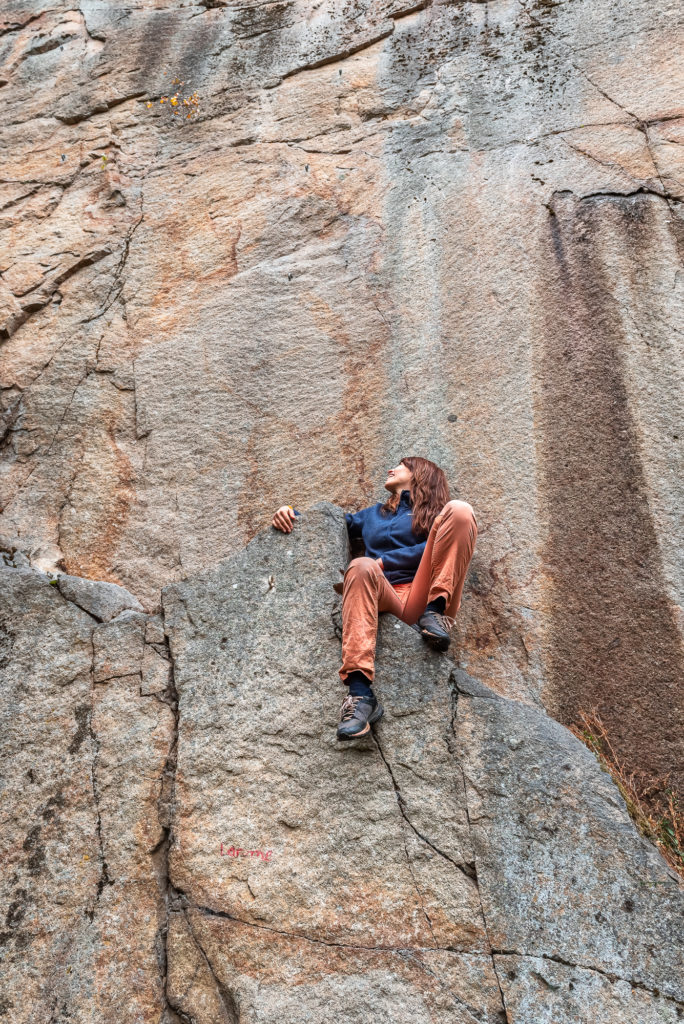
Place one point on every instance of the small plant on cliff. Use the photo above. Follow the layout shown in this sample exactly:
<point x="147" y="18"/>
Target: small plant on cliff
<point x="651" y="802"/>
<point x="183" y="104"/>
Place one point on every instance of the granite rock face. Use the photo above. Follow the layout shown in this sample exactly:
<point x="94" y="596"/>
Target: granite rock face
<point x="197" y="846"/>
<point x="392" y="227"/>
<point x="84" y="755"/>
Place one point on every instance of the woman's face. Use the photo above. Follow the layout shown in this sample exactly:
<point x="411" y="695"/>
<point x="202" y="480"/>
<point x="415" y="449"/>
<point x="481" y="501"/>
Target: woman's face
<point x="398" y="479"/>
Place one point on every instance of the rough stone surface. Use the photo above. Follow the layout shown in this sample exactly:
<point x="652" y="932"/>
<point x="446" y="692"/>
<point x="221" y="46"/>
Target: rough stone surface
<point x="251" y="743"/>
<point x="539" y="991"/>
<point x="470" y="829"/>
<point x="563" y="873"/>
<point x="119" y="646"/>
<point x="82" y="777"/>
<point x="205" y="850"/>
<point x="450" y="228"/>
<point x="104" y="601"/>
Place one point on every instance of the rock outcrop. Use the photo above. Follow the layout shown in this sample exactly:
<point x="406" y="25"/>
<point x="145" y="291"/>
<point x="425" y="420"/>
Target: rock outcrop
<point x="88" y="732"/>
<point x="189" y="842"/>
<point x="451" y="229"/>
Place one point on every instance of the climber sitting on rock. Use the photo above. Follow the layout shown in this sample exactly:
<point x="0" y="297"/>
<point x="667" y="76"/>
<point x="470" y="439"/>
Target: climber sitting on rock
<point x="418" y="548"/>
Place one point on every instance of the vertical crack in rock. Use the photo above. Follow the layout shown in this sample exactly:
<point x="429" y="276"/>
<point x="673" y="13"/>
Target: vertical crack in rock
<point x="474" y="1013"/>
<point x="454" y="753"/>
<point x="226" y="997"/>
<point x="110" y="298"/>
<point x="413" y="876"/>
<point x="173" y="1014"/>
<point x="174" y="900"/>
<point x="66" y="501"/>
<point x="418" y="891"/>
<point x="160" y="854"/>
<point x="467" y="869"/>
<point x="67" y="407"/>
<point x="104" y="878"/>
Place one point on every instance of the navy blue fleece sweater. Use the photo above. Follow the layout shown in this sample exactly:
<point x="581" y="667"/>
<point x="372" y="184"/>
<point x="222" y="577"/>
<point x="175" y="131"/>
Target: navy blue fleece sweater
<point x="390" y="537"/>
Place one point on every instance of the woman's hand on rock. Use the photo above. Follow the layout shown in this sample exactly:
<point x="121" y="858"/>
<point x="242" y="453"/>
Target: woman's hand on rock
<point x="284" y="518"/>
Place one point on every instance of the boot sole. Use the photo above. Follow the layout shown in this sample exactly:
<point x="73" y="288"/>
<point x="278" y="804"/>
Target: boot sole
<point x="375" y="716"/>
<point x="440" y="643"/>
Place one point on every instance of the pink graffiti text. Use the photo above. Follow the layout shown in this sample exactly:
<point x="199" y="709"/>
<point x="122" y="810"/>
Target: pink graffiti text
<point x="237" y="851"/>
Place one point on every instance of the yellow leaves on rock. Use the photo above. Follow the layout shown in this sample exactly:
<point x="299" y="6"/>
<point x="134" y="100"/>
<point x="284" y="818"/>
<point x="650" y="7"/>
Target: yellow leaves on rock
<point x="188" y="103"/>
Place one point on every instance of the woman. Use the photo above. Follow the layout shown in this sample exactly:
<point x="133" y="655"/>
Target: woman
<point x="418" y="548"/>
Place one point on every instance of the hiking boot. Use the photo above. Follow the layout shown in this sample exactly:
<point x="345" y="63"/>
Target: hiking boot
<point x="436" y="629"/>
<point x="356" y="716"/>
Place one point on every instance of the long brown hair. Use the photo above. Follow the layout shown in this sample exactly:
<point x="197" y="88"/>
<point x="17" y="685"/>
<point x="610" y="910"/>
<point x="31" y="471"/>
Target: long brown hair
<point x="429" y="493"/>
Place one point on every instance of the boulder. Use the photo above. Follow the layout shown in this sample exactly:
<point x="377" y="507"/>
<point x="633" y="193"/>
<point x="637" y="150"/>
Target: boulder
<point x="190" y="842"/>
<point x="104" y="601"/>
<point x="436" y="871"/>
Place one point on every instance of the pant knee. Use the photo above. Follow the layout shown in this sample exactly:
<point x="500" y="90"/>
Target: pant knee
<point x="460" y="509"/>
<point x="363" y="566"/>
<point x="461" y="514"/>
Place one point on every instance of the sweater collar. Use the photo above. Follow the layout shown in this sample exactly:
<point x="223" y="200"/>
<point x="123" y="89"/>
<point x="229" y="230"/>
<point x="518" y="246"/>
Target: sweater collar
<point x="405" y="498"/>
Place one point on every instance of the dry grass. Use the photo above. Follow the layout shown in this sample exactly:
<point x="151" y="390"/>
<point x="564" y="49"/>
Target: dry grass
<point x="651" y="802"/>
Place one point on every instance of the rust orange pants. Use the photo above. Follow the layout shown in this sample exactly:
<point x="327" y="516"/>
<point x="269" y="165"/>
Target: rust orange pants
<point x="440" y="573"/>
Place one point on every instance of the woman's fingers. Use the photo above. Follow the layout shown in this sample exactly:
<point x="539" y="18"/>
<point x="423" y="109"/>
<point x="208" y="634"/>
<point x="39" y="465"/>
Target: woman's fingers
<point x="279" y="521"/>
<point x="284" y="518"/>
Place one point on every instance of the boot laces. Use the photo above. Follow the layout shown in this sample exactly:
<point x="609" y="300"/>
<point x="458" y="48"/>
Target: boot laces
<point x="445" y="621"/>
<point x="349" y="707"/>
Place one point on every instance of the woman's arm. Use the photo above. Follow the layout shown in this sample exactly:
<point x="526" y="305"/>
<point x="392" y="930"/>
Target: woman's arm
<point x="355" y="523"/>
<point x="285" y="517"/>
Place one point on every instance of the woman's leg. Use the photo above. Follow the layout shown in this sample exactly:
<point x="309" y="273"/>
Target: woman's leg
<point x="441" y="572"/>
<point x="443" y="567"/>
<point x="366" y="592"/>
